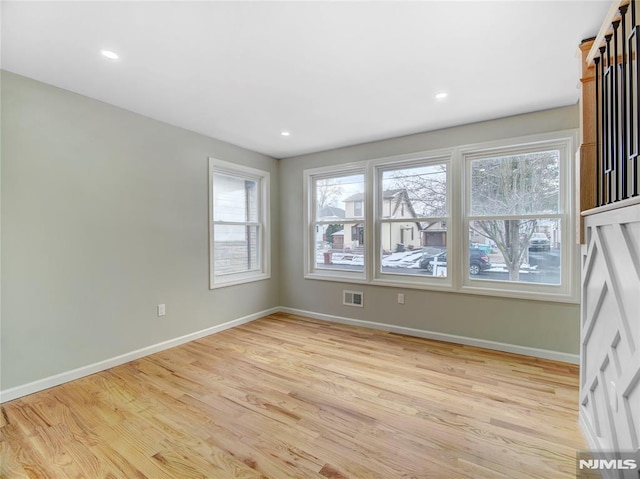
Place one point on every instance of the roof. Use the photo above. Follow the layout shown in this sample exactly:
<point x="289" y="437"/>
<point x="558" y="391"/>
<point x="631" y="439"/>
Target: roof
<point x="331" y="212"/>
<point x="387" y="194"/>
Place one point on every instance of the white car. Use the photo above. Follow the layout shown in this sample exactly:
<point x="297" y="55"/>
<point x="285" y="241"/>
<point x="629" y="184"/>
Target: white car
<point x="539" y="242"/>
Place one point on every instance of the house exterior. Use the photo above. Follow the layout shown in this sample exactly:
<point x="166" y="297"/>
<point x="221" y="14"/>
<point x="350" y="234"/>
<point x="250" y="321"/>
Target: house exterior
<point x="395" y="205"/>
<point x="337" y="240"/>
<point x="325" y="233"/>
<point x="435" y="234"/>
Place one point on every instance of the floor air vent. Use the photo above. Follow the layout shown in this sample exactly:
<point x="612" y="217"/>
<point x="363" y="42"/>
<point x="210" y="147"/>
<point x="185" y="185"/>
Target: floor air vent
<point x="352" y="298"/>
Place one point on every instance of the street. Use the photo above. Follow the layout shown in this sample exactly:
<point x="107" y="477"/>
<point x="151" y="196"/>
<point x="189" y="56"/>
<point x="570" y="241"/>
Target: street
<point x="544" y="268"/>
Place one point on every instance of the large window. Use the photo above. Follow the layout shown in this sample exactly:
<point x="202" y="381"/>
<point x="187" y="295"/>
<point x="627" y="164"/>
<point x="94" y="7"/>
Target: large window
<point x="412" y="215"/>
<point x="337" y="229"/>
<point x="239" y="199"/>
<point x="517" y="211"/>
<point x="486" y="219"/>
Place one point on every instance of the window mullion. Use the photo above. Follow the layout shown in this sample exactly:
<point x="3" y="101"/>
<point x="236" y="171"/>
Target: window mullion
<point x="456" y="197"/>
<point x="417" y="219"/>
<point x="237" y="223"/>
<point x="370" y="212"/>
<point x="514" y="217"/>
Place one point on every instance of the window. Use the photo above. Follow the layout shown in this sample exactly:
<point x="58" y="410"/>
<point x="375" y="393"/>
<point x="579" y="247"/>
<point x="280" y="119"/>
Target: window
<point x="412" y="210"/>
<point x="494" y="218"/>
<point x="517" y="212"/>
<point x="357" y="208"/>
<point x="239" y="243"/>
<point x="337" y="229"/>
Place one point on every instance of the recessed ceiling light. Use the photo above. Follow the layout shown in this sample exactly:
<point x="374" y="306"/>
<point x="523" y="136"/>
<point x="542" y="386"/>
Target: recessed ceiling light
<point x="285" y="133"/>
<point x="442" y="95"/>
<point x="109" y="54"/>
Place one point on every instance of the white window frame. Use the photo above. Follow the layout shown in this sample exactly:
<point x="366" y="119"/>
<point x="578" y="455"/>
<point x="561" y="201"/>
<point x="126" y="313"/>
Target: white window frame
<point x="262" y="178"/>
<point x="378" y="167"/>
<point x="458" y="279"/>
<point x="310" y="222"/>
<point x="567" y="290"/>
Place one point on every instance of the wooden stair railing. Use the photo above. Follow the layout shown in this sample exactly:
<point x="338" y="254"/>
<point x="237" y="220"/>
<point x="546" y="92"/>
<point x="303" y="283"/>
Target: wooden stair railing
<point x="610" y="123"/>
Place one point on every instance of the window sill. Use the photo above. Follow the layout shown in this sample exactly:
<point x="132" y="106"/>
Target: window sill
<point x="443" y="284"/>
<point x="237" y="281"/>
<point x="448" y="288"/>
<point x="337" y="278"/>
<point x="560" y="297"/>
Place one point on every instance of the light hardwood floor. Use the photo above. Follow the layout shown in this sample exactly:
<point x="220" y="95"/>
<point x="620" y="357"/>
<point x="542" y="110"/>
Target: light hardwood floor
<point x="290" y="397"/>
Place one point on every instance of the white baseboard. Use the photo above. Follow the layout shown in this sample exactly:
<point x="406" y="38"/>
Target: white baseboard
<point x="450" y="338"/>
<point x="57" y="379"/>
<point x="61" y="378"/>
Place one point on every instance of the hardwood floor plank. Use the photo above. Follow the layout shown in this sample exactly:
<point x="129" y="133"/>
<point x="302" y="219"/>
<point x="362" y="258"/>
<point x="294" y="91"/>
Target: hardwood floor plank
<point x="292" y="397"/>
<point x="118" y="466"/>
<point x="11" y="463"/>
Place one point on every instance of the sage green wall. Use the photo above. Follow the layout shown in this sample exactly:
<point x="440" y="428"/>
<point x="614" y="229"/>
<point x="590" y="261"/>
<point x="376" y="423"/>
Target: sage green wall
<point x="104" y="216"/>
<point x="545" y="325"/>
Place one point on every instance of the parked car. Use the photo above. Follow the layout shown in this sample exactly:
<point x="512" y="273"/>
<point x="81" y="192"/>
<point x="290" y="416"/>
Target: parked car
<point x="427" y="263"/>
<point x="539" y="242"/>
<point x="478" y="261"/>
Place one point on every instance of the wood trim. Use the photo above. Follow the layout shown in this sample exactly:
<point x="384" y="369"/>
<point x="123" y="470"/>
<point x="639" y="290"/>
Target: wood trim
<point x="588" y="136"/>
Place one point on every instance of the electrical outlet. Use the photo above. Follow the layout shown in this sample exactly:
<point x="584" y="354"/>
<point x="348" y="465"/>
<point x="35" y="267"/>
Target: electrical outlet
<point x="400" y="298"/>
<point x="162" y="310"/>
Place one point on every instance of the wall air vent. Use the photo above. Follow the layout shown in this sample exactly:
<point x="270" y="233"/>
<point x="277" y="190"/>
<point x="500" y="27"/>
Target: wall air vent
<point x="353" y="298"/>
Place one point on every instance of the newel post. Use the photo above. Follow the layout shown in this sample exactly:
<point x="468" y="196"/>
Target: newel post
<point x="588" y="135"/>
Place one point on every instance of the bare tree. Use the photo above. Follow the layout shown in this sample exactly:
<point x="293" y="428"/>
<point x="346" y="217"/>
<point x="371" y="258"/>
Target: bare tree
<point x="503" y="189"/>
<point x="525" y="184"/>
<point x="328" y="193"/>
<point x="511" y="238"/>
<point x="426" y="188"/>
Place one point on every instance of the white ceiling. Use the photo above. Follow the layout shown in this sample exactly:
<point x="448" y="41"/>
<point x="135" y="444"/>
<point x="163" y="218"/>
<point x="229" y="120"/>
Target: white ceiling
<point x="331" y="73"/>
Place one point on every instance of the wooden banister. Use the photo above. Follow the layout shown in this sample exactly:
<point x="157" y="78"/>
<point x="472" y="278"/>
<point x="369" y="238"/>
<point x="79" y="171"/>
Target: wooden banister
<point x="610" y="113"/>
<point x="588" y="133"/>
